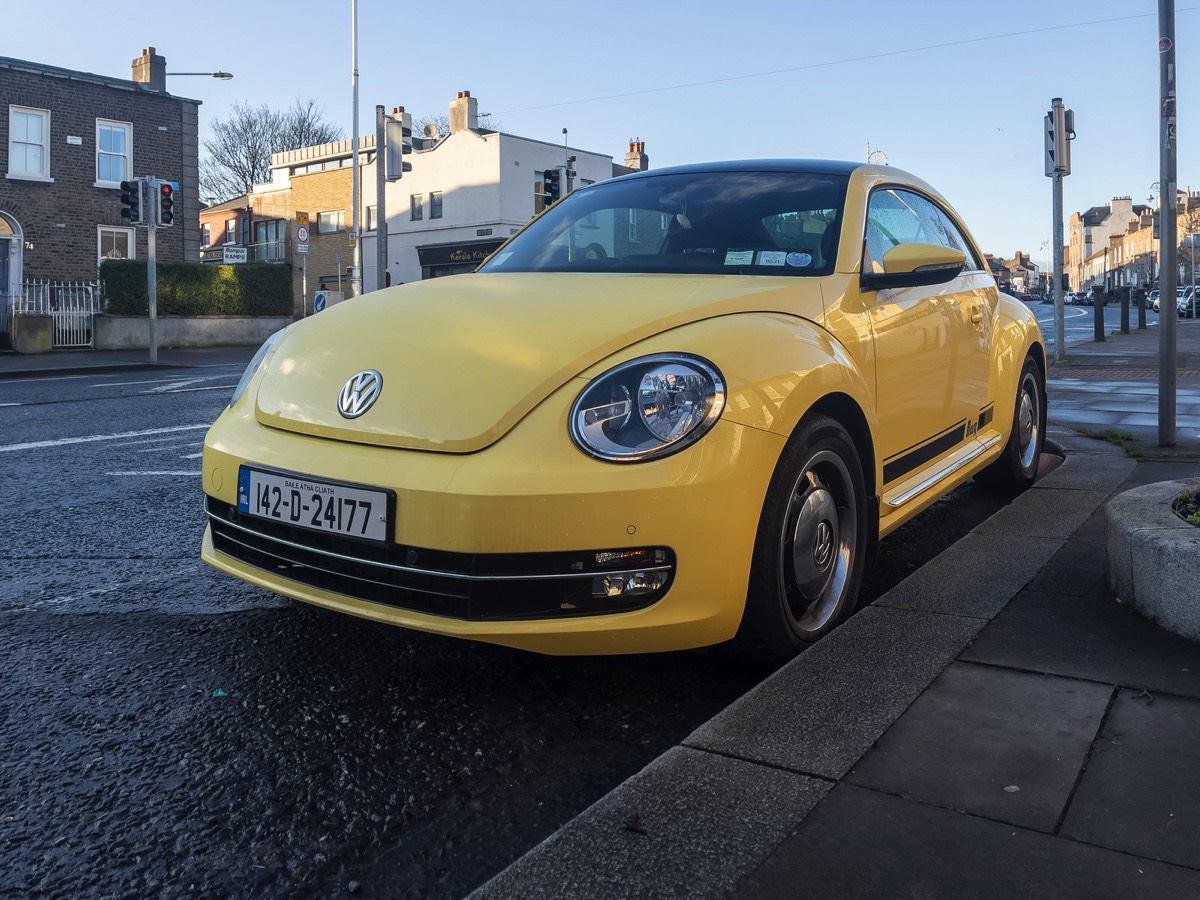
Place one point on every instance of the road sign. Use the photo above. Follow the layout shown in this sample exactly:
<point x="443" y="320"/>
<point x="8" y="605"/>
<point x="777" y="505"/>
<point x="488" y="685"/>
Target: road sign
<point x="302" y="234"/>
<point x="301" y="218"/>
<point x="320" y="298"/>
<point x="302" y="248"/>
<point x="230" y="255"/>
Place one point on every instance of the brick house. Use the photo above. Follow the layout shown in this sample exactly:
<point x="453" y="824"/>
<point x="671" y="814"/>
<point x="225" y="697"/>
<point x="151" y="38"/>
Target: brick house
<point x="67" y="140"/>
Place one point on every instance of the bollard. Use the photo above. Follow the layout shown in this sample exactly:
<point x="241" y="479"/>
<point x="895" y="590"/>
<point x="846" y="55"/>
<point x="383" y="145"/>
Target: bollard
<point x="1098" y="309"/>
<point x="1141" y="308"/>
<point x="1124" y="309"/>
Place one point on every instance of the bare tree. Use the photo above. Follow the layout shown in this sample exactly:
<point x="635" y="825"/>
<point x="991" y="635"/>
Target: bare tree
<point x="239" y="153"/>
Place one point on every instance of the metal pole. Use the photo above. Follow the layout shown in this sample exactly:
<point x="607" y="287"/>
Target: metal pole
<point x="151" y="268"/>
<point x="355" y="231"/>
<point x="1060" y="344"/>
<point x="381" y="250"/>
<point x="1168" y="268"/>
<point x="304" y="285"/>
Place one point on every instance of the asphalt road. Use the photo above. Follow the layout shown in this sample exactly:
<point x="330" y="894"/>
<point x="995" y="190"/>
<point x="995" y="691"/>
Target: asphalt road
<point x="169" y="731"/>
<point x="1079" y="322"/>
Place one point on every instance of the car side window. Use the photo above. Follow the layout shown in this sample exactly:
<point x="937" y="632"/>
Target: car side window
<point x="902" y="217"/>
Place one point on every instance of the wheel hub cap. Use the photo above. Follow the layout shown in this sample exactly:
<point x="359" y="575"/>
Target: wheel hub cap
<point x="814" y="543"/>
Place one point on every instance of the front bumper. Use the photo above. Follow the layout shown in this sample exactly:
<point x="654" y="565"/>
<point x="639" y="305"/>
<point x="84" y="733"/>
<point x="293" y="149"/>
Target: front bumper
<point x="495" y="545"/>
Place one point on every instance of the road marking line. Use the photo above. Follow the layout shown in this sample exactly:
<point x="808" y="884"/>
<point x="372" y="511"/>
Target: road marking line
<point x="39" y="445"/>
<point x="10" y="404"/>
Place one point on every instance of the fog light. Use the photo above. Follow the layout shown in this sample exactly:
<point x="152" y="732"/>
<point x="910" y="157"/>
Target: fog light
<point x="628" y="584"/>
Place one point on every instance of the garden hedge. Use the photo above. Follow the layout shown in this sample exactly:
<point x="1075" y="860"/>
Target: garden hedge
<point x="198" y="289"/>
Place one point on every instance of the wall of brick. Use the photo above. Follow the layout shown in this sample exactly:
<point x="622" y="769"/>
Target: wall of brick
<point x="60" y="219"/>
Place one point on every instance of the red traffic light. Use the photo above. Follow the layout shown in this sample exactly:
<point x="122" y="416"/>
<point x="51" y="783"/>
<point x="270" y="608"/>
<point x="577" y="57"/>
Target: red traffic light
<point x="166" y="200"/>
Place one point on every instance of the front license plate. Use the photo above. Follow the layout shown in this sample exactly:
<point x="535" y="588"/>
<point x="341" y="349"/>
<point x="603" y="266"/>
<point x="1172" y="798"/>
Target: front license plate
<point x="316" y="505"/>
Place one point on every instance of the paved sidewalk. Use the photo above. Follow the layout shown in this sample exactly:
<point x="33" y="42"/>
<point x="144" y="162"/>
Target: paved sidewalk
<point x="65" y="362"/>
<point x="995" y="726"/>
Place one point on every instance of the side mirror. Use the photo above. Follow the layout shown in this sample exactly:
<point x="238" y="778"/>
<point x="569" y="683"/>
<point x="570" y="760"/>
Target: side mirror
<point x="913" y="265"/>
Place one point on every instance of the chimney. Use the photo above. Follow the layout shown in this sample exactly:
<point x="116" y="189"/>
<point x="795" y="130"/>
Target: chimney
<point x="636" y="158"/>
<point x="151" y="69"/>
<point x="464" y="112"/>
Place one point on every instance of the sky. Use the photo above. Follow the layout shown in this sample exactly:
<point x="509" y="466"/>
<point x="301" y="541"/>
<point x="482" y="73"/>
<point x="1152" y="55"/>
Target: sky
<point x="952" y="92"/>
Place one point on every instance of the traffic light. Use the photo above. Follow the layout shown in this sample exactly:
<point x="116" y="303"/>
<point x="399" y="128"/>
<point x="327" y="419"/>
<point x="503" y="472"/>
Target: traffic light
<point x="553" y="186"/>
<point x="1059" y="129"/>
<point x="133" y="201"/>
<point x="398" y="141"/>
<point x="166" y="202"/>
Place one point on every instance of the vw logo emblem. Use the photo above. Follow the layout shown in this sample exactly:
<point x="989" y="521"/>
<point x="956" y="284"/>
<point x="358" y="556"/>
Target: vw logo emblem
<point x="359" y="393"/>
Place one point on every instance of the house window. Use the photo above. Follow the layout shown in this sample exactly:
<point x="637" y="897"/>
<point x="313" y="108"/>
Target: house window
<point x="205" y="235"/>
<point x="114" y="243"/>
<point x="28" y="143"/>
<point x="114" y="145"/>
<point x="269" y="238"/>
<point x="417" y="206"/>
<point x="372" y="218"/>
<point x="435" y="204"/>
<point x="329" y="222"/>
<point x="633" y="226"/>
<point x="231" y="231"/>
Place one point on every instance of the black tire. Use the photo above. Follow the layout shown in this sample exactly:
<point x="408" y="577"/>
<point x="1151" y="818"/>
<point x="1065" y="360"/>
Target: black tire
<point x="811" y="543"/>
<point x="1017" y="467"/>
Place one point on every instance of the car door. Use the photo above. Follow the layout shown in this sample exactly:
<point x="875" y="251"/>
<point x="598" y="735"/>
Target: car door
<point x="932" y="343"/>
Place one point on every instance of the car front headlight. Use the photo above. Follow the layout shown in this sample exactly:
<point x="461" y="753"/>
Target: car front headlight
<point x="648" y="408"/>
<point x="255" y="364"/>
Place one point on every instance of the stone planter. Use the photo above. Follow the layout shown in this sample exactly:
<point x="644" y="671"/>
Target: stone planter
<point x="32" y="332"/>
<point x="1153" y="556"/>
<point x="133" y="332"/>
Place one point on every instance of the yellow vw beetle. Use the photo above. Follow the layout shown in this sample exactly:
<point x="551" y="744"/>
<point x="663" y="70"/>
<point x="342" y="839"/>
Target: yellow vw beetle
<point x="676" y="410"/>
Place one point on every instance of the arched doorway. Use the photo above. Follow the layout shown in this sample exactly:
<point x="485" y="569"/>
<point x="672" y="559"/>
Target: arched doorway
<point x="12" y="245"/>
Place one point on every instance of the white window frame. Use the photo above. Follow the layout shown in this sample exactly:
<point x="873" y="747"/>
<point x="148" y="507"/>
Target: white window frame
<point x="128" y="127"/>
<point x="129" y="232"/>
<point x="334" y="217"/>
<point x="435" y="204"/>
<point x="230" y="231"/>
<point x="44" y="114"/>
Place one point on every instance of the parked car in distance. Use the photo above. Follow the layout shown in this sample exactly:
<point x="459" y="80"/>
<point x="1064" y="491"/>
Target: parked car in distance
<point x="1185" y="302"/>
<point x="1152" y="300"/>
<point x="677" y="409"/>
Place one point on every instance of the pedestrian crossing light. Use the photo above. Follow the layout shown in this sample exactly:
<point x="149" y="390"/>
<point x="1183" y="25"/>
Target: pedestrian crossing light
<point x="166" y="202"/>
<point x="131" y="200"/>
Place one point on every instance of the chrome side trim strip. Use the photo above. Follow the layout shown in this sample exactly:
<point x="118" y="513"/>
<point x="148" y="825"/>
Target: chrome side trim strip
<point x="943" y="474"/>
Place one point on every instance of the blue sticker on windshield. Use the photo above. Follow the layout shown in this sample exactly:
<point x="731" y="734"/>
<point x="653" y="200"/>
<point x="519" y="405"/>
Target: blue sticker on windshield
<point x="800" y="260"/>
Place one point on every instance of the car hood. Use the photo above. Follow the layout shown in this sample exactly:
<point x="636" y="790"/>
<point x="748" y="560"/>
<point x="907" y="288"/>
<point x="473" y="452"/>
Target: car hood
<point x="464" y="358"/>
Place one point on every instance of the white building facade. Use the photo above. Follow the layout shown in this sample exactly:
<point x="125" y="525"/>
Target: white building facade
<point x="468" y="191"/>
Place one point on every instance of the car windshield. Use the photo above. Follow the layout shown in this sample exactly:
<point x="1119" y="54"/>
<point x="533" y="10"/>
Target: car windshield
<point x="739" y="223"/>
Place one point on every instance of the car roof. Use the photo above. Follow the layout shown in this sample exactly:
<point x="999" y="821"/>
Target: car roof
<point x="808" y="166"/>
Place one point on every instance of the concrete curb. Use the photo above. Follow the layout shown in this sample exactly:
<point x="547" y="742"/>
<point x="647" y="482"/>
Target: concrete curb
<point x="1152" y="556"/>
<point x="681" y="826"/>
